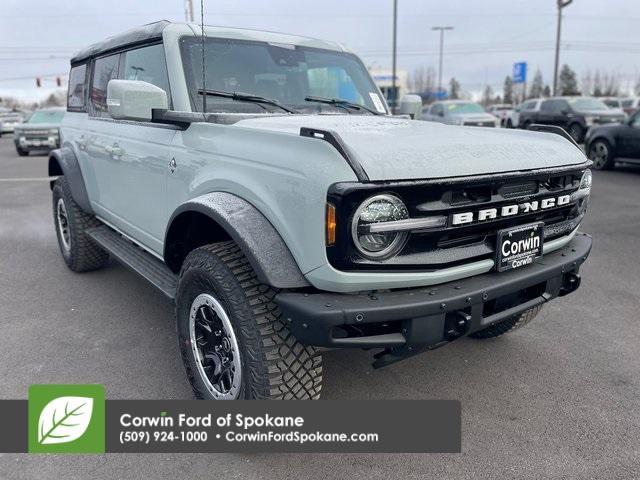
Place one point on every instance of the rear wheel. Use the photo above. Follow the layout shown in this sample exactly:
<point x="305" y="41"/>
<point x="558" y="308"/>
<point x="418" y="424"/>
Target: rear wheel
<point x="80" y="253"/>
<point x="601" y="155"/>
<point x="508" y="325"/>
<point x="233" y="341"/>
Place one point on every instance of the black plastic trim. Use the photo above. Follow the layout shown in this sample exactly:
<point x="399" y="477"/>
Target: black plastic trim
<point x="312" y="317"/>
<point x="255" y="235"/>
<point x="68" y="163"/>
<point x="334" y="139"/>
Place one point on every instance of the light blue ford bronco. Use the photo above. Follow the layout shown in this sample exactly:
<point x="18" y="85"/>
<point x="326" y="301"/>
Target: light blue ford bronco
<point x="261" y="183"/>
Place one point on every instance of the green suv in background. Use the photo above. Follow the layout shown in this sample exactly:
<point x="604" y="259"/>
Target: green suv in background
<point x="40" y="133"/>
<point x="284" y="211"/>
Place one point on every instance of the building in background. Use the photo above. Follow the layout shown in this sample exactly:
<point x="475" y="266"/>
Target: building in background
<point x="384" y="81"/>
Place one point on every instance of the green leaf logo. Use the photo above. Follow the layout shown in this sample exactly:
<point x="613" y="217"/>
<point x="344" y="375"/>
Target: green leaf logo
<point x="64" y="419"/>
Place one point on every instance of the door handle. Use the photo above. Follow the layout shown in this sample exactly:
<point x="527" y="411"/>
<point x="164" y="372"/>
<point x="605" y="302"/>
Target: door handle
<point x="114" y="150"/>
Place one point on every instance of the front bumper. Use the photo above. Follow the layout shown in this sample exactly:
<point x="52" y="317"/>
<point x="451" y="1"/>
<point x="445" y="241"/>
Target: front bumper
<point x="37" y="143"/>
<point x="407" y="321"/>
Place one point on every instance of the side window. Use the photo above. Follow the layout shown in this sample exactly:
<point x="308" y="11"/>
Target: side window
<point x="547" y="106"/>
<point x="104" y="69"/>
<point x="75" y="96"/>
<point x="436" y="109"/>
<point x="148" y="65"/>
<point x="529" y="105"/>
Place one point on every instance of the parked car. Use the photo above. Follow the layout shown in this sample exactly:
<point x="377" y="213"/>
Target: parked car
<point x="612" y="102"/>
<point x="630" y="105"/>
<point x="513" y="118"/>
<point x="459" y="112"/>
<point x="40" y="133"/>
<point x="300" y="215"/>
<point x="502" y="111"/>
<point x="575" y="114"/>
<point x="607" y="143"/>
<point x="8" y="120"/>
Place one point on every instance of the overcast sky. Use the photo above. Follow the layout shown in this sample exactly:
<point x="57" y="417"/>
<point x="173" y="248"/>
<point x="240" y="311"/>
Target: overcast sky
<point x="37" y="37"/>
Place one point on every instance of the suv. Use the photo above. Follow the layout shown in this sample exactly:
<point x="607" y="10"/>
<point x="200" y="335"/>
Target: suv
<point x="40" y="133"/>
<point x="574" y="114"/>
<point x="459" y="112"/>
<point x="284" y="211"/>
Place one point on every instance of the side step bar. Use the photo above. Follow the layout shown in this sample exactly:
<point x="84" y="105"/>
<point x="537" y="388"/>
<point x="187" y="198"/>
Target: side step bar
<point x="136" y="259"/>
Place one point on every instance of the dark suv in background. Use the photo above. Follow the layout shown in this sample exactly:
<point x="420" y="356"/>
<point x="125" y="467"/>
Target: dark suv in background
<point x="575" y="114"/>
<point x="607" y="143"/>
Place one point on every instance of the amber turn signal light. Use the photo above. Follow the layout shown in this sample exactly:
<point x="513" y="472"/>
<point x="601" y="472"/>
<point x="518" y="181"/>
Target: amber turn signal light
<point x="331" y="224"/>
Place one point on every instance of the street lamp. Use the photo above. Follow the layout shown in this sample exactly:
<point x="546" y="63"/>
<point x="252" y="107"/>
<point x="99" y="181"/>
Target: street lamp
<point x="561" y="5"/>
<point x="441" y="29"/>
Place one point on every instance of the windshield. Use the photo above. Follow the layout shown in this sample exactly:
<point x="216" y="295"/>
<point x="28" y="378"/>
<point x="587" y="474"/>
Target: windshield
<point x="587" y="104"/>
<point x="612" y="103"/>
<point x="47" y="116"/>
<point x="461" y="108"/>
<point x="283" y="73"/>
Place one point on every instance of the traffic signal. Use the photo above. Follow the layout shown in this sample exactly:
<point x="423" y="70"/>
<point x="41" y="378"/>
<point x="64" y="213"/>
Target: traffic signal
<point x="38" y="82"/>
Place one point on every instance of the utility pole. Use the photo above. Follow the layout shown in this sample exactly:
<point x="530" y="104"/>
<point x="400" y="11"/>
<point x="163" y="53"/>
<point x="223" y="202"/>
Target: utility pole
<point x="394" y="57"/>
<point x="188" y="10"/>
<point x="441" y="29"/>
<point x="561" y="5"/>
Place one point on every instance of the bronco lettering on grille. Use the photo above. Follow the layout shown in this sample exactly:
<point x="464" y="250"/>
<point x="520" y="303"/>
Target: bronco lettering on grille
<point x="509" y="210"/>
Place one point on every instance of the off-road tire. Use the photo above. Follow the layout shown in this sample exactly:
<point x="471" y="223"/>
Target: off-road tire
<point x="83" y="255"/>
<point x="274" y="364"/>
<point x="21" y="152"/>
<point x="507" y="325"/>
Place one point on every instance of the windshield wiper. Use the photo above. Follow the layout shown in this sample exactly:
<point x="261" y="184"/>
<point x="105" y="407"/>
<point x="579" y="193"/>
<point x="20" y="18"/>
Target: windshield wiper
<point x="245" y="97"/>
<point x="341" y="103"/>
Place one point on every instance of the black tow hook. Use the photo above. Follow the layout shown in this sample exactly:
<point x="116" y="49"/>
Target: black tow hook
<point x="570" y="283"/>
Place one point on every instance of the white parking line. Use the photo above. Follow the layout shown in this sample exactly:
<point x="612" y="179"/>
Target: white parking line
<point x="35" y="179"/>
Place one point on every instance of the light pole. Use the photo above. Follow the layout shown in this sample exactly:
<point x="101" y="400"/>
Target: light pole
<point x="393" y="57"/>
<point x="561" y="5"/>
<point x="441" y="29"/>
<point x="188" y="10"/>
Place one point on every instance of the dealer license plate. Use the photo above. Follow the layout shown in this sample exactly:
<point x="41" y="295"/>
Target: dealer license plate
<point x="519" y="246"/>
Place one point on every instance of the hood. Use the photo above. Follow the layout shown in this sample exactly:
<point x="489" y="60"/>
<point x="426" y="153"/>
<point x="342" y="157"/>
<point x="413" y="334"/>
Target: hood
<point x="37" y="126"/>
<point x="392" y="148"/>
<point x="603" y="113"/>
<point x="480" y="117"/>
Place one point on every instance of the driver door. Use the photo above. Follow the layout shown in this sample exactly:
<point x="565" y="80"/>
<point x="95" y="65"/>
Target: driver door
<point x="629" y="139"/>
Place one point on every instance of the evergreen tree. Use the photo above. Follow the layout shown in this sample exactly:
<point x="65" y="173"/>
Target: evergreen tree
<point x="508" y="90"/>
<point x="537" y="86"/>
<point x="567" y="82"/>
<point x="454" y="89"/>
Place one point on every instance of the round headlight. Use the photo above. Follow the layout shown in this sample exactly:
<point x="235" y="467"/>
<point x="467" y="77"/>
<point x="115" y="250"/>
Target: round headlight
<point x="586" y="180"/>
<point x="379" y="208"/>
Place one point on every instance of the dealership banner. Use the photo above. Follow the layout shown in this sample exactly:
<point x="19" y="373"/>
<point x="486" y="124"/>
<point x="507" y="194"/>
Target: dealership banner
<point x="78" y="419"/>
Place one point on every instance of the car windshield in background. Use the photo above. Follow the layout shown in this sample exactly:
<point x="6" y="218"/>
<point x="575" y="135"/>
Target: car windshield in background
<point x="612" y="103"/>
<point x="461" y="108"/>
<point x="286" y="74"/>
<point x="587" y="104"/>
<point x="54" y="116"/>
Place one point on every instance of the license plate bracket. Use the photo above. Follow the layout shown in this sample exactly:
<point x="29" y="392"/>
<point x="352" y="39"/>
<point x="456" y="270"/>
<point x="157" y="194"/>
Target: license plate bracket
<point x="519" y="246"/>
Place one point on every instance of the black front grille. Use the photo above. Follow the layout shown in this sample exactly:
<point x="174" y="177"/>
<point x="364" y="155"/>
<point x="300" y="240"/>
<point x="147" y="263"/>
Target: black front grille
<point x="452" y="245"/>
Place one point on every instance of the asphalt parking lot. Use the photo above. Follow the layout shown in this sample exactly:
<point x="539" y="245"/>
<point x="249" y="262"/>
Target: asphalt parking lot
<point x="558" y="399"/>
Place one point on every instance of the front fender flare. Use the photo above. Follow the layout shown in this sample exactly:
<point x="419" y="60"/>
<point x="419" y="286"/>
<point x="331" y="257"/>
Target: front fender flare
<point x="255" y="235"/>
<point x="63" y="161"/>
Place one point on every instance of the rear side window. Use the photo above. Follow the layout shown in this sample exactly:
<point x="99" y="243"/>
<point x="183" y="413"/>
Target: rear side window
<point x="75" y="97"/>
<point x="148" y="65"/>
<point x="104" y="69"/>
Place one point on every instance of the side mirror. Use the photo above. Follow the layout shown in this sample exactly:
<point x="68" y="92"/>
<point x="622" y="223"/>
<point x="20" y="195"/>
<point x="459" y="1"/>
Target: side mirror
<point x="134" y="99"/>
<point x="411" y="105"/>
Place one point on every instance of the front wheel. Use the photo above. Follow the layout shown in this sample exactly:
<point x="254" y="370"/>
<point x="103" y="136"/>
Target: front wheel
<point x="233" y="341"/>
<point x="508" y="325"/>
<point x="600" y="154"/>
<point x="21" y="152"/>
